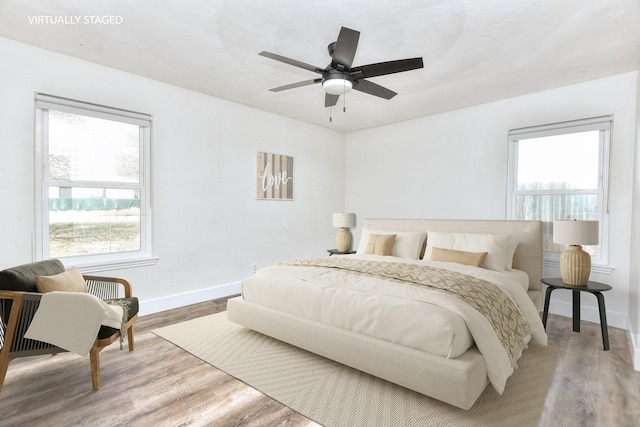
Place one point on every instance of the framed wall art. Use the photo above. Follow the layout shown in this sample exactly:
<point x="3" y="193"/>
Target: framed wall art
<point x="274" y="177"/>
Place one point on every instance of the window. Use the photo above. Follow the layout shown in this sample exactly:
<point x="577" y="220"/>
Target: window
<point x="560" y="172"/>
<point x="92" y="184"/>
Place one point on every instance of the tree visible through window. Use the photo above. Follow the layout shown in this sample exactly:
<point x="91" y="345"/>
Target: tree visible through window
<point x="558" y="172"/>
<point x="93" y="188"/>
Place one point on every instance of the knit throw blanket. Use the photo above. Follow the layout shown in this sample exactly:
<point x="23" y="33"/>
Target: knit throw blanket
<point x="125" y="315"/>
<point x="502" y="313"/>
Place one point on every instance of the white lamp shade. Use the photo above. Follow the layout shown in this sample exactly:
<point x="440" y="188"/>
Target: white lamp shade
<point x="344" y="219"/>
<point x="575" y="232"/>
<point x="337" y="86"/>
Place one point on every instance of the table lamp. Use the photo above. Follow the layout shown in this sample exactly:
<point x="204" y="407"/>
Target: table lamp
<point x="575" y="264"/>
<point x="343" y="238"/>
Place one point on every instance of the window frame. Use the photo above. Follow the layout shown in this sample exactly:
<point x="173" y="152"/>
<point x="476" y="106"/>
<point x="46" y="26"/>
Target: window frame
<point x="603" y="124"/>
<point x="94" y="262"/>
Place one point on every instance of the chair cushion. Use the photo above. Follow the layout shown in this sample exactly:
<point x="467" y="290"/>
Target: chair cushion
<point x="23" y="277"/>
<point x="132" y="307"/>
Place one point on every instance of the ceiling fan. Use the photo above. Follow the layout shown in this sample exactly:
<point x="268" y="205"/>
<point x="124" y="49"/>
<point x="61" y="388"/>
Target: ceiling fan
<point x="339" y="77"/>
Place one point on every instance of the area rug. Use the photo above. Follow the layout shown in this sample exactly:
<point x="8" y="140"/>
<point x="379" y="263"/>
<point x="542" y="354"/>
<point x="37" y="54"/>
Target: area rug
<point x="335" y="395"/>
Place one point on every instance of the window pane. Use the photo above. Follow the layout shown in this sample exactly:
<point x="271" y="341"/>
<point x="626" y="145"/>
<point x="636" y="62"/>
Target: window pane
<point x="559" y="162"/>
<point x="83" y="148"/>
<point x="91" y="221"/>
<point x="548" y="208"/>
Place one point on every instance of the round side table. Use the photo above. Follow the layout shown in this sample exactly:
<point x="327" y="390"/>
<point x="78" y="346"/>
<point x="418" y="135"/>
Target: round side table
<point x="594" y="288"/>
<point x="337" y="252"/>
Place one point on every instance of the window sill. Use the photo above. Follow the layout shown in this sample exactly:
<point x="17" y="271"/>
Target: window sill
<point x="114" y="265"/>
<point x="595" y="268"/>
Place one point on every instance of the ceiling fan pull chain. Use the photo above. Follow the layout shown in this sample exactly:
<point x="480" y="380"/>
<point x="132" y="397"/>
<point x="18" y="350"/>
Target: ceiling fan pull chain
<point x="330" y="114"/>
<point x="344" y="96"/>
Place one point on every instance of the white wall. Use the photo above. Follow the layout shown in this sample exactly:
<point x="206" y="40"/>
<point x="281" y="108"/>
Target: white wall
<point x="634" y="283"/>
<point x="208" y="229"/>
<point x="454" y="165"/>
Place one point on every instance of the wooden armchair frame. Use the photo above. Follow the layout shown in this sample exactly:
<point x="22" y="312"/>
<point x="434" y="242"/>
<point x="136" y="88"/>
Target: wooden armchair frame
<point x="22" y="307"/>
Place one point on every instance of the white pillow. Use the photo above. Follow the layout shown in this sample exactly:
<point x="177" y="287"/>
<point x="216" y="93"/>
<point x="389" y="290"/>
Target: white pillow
<point x="496" y="246"/>
<point x="408" y="243"/>
<point x="364" y="239"/>
<point x="511" y="250"/>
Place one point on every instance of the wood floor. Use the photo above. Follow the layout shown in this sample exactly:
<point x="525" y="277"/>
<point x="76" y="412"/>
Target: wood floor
<point x="159" y="384"/>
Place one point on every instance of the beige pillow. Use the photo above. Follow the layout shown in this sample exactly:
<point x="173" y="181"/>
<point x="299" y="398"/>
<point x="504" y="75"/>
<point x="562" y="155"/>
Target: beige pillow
<point x="380" y="244"/>
<point x="496" y="246"/>
<point x="461" y="257"/>
<point x="69" y="281"/>
<point x="407" y="245"/>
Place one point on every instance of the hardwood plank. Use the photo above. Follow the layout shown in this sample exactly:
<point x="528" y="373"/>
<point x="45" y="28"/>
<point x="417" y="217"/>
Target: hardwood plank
<point x="159" y="384"/>
<point x="591" y="387"/>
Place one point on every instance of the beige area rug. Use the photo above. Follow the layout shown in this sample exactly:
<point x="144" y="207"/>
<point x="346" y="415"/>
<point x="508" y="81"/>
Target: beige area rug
<point x="335" y="395"/>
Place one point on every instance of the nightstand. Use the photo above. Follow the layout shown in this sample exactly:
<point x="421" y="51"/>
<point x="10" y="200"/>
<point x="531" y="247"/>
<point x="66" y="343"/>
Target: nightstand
<point x="595" y="288"/>
<point x="337" y="252"/>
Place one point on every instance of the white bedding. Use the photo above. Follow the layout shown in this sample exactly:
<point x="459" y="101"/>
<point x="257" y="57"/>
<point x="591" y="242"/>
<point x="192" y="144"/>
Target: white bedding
<point x="392" y="311"/>
<point x="507" y="278"/>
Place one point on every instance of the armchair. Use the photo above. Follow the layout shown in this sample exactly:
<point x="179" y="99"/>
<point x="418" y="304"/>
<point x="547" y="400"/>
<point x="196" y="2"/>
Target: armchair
<point x="19" y="301"/>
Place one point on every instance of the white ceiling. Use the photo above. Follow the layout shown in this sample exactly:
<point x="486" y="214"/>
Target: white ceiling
<point x="474" y="51"/>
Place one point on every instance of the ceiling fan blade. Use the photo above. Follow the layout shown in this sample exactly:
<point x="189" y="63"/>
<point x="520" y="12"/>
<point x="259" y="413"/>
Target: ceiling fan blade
<point x="345" y="48"/>
<point x="374" y="89"/>
<point x="330" y="100"/>
<point x="291" y="62"/>
<point x="295" y="85"/>
<point x="389" y="67"/>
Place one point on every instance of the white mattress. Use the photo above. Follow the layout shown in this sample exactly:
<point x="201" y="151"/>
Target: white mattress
<point x="378" y="308"/>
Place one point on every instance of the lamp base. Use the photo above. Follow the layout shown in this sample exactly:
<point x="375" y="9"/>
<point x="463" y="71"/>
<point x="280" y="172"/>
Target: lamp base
<point x="343" y="239"/>
<point x="575" y="266"/>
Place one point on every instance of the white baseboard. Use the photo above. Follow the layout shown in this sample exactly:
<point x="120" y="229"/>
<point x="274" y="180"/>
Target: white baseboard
<point x="188" y="298"/>
<point x="634" y="342"/>
<point x="589" y="314"/>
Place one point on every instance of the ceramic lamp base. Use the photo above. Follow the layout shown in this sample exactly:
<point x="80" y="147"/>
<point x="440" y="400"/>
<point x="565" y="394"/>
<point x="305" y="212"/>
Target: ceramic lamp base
<point x="343" y="240"/>
<point x="575" y="266"/>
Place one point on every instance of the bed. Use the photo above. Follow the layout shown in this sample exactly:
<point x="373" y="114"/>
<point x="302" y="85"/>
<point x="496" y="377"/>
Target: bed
<point x="369" y="310"/>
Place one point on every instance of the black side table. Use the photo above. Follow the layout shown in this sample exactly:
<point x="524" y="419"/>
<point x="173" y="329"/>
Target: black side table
<point x="595" y="288"/>
<point x="337" y="252"/>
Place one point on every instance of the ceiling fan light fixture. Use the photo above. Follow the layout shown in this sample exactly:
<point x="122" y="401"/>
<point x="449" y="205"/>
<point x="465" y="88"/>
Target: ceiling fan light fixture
<point x="337" y="86"/>
<point x="339" y="77"/>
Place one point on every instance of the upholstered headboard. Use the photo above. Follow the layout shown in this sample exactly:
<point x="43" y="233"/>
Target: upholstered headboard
<point x="528" y="233"/>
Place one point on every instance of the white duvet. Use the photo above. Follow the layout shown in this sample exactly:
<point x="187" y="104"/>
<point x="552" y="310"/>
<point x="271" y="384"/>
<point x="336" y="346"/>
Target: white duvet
<point x="405" y="314"/>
